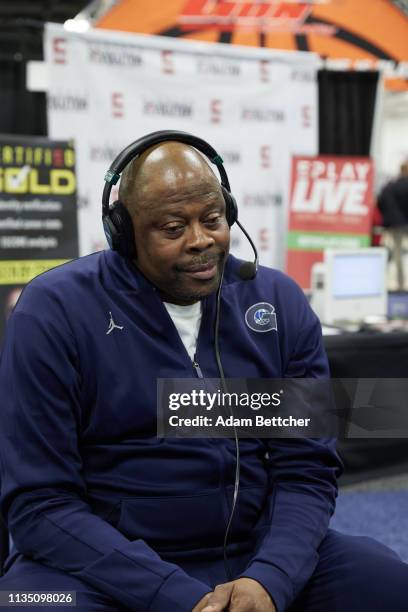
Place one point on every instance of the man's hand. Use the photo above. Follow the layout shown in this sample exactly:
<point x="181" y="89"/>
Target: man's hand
<point x="242" y="595"/>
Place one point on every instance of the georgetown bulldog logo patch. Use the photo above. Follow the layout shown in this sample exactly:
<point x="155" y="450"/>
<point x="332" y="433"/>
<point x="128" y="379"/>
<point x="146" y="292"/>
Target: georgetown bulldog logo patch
<point x="261" y="317"/>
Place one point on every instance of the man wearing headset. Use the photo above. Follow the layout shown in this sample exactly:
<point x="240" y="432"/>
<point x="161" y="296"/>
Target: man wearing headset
<point x="95" y="503"/>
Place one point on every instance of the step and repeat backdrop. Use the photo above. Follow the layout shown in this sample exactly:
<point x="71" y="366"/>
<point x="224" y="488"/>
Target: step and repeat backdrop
<point x="257" y="107"/>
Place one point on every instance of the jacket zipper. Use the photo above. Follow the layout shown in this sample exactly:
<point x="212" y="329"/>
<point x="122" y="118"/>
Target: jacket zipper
<point x="197" y="368"/>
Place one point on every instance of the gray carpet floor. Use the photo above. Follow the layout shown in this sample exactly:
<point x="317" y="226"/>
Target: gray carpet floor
<point x="377" y="508"/>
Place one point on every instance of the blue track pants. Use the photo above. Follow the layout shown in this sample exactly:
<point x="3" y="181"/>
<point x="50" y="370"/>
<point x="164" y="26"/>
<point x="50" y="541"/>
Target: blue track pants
<point x="354" y="574"/>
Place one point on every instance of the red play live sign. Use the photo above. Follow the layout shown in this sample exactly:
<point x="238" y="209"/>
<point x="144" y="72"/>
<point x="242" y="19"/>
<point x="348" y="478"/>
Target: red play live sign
<point x="255" y="15"/>
<point x="331" y="206"/>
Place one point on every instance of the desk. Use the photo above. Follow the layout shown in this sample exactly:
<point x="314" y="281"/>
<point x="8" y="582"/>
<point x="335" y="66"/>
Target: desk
<point x="369" y="355"/>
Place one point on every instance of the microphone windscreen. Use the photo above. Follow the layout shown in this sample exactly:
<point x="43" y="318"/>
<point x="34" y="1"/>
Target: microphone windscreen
<point x="247" y="270"/>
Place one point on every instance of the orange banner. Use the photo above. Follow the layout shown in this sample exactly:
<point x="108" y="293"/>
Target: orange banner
<point x="364" y="32"/>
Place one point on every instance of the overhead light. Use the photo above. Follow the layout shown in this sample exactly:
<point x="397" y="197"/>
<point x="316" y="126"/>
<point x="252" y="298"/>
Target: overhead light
<point x="77" y="25"/>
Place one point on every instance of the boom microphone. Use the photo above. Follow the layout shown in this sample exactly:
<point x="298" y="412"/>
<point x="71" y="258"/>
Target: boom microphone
<point x="247" y="270"/>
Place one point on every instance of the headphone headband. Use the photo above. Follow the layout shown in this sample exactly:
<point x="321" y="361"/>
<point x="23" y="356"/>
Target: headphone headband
<point x="117" y="222"/>
<point x="138" y="147"/>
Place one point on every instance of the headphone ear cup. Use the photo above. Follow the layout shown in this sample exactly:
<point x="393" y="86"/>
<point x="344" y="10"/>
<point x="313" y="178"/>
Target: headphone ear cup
<point x="231" y="207"/>
<point x="118" y="227"/>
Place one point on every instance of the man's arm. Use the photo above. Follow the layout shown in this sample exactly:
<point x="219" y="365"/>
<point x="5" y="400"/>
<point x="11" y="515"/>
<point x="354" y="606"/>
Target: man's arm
<point x="44" y="497"/>
<point x="298" y="511"/>
<point x="303" y="487"/>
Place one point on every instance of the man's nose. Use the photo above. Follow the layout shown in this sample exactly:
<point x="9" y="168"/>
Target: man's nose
<point x="199" y="238"/>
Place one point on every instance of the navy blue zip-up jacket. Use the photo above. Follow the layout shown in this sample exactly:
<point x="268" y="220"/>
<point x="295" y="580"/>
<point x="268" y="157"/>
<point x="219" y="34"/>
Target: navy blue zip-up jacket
<point x="86" y="485"/>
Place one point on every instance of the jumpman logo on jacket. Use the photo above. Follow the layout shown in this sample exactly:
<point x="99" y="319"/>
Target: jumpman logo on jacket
<point x="112" y="325"/>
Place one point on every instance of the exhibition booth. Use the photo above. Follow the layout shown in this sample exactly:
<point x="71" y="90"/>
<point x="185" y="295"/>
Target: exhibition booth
<point x="306" y="104"/>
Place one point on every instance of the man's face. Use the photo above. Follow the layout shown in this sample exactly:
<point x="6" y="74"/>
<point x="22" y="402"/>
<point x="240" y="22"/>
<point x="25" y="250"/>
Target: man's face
<point x="182" y="236"/>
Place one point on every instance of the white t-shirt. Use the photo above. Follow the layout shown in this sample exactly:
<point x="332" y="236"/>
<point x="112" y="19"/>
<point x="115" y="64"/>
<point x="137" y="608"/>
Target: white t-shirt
<point x="187" y="320"/>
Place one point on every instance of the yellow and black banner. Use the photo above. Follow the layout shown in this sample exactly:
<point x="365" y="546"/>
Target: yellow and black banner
<point x="38" y="212"/>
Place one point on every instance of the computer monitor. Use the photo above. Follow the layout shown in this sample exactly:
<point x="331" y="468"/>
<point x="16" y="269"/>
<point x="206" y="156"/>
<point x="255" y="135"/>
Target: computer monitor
<point x="350" y="285"/>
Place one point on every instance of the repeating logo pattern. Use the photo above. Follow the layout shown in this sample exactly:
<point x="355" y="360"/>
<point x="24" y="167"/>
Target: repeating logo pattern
<point x="106" y="92"/>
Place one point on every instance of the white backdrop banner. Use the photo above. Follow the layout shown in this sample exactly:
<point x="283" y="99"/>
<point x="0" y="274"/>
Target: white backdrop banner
<point x="256" y="107"/>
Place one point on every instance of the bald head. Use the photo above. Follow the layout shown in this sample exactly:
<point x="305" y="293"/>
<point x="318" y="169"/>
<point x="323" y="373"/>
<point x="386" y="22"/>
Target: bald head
<point x="177" y="208"/>
<point x="166" y="172"/>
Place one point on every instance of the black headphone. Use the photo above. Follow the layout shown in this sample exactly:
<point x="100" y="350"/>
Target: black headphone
<point x="116" y="219"/>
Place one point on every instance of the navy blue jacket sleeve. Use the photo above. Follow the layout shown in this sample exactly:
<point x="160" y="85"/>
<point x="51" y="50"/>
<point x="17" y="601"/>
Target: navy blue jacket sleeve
<point x="43" y="491"/>
<point x="303" y="486"/>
